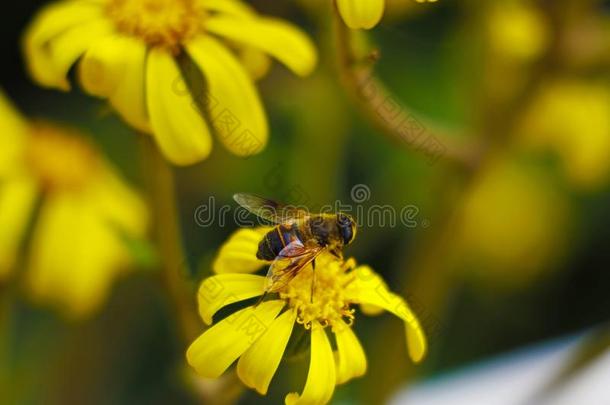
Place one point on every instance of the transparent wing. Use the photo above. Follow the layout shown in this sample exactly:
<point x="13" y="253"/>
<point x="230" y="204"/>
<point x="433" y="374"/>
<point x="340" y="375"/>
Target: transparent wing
<point x="270" y="210"/>
<point x="294" y="257"/>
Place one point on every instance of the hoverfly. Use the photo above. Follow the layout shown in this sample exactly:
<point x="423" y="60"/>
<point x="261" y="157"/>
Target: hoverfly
<point x="297" y="239"/>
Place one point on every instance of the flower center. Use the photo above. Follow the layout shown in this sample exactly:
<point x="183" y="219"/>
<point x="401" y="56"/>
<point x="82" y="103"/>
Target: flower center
<point x="328" y="305"/>
<point x="164" y="23"/>
<point x="59" y="157"/>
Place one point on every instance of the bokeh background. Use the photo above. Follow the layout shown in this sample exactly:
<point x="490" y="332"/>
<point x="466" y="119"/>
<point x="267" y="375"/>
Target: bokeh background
<point x="509" y="253"/>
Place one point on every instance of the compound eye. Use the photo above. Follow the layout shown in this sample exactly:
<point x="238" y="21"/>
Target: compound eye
<point x="347" y="234"/>
<point x="345" y="228"/>
<point x="343" y="220"/>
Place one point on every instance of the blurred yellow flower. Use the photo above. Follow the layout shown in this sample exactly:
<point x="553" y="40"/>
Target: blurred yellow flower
<point x="512" y="225"/>
<point x="572" y="118"/>
<point x="139" y="53"/>
<point x="517" y="30"/>
<point x="364" y="13"/>
<point x="258" y="334"/>
<point x="83" y="210"/>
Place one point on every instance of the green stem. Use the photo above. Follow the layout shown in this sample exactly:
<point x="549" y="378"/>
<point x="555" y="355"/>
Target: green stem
<point x="369" y="94"/>
<point x="220" y="391"/>
<point x="168" y="240"/>
<point x="7" y="383"/>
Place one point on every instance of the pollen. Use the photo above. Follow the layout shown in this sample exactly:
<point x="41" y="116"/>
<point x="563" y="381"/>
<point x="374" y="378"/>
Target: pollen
<point x="60" y="158"/>
<point x="163" y="23"/>
<point x="328" y="305"/>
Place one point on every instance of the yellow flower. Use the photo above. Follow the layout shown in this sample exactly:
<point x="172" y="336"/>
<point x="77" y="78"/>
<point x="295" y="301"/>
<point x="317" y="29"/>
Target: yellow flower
<point x="512" y="226"/>
<point x="166" y="66"/>
<point x="83" y="212"/>
<point x="258" y="334"/>
<point x="517" y="31"/>
<point x="572" y="117"/>
<point x="364" y="13"/>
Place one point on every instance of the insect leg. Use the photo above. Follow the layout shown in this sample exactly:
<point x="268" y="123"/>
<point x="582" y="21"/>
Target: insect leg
<point x="313" y="281"/>
<point x="261" y="299"/>
<point x="337" y="253"/>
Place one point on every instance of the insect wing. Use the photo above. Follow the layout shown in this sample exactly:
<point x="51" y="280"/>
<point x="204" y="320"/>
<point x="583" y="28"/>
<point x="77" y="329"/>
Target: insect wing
<point x="294" y="257"/>
<point x="270" y="210"/>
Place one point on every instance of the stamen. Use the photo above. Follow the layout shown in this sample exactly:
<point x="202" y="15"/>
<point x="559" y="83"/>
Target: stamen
<point x="59" y="157"/>
<point x="164" y="23"/>
<point x="326" y="304"/>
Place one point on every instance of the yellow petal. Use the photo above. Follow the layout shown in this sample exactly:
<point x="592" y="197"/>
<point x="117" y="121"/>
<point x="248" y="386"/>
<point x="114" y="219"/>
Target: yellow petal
<point x="350" y="360"/>
<point x="232" y="101"/>
<point x="361" y="13"/>
<point x="218" y="347"/>
<point x="17" y="199"/>
<point x="321" y="377"/>
<point x="281" y="40"/>
<point x="129" y="96"/>
<point x="13" y="130"/>
<point x="256" y="62"/>
<point x="75" y="255"/>
<point x="218" y="291"/>
<point x="52" y="21"/>
<point x="259" y="363"/>
<point x="103" y="65"/>
<point x="368" y="288"/>
<point x="116" y="202"/>
<point x="238" y="254"/>
<point x="69" y="46"/>
<point x="371" y="310"/>
<point x="113" y="67"/>
<point x="177" y="123"/>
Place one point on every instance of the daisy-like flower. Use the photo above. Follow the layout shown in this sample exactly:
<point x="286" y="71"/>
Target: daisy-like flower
<point x="167" y="66"/>
<point x="364" y="13"/>
<point x="84" y="212"/>
<point x="258" y="335"/>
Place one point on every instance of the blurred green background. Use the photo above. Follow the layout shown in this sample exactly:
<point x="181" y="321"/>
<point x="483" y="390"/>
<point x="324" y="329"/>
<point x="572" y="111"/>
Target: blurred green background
<point x="514" y="253"/>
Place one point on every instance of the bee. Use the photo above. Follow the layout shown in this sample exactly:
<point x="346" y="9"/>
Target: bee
<point x="297" y="239"/>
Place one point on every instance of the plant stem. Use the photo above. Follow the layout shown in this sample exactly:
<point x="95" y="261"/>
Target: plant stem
<point x="224" y="390"/>
<point x="167" y="237"/>
<point x="386" y="113"/>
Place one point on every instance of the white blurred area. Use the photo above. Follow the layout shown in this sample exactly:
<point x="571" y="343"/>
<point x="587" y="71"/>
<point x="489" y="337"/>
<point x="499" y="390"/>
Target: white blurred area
<point x="523" y="377"/>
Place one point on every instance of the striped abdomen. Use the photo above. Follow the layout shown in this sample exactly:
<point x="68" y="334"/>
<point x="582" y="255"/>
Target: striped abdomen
<point x="275" y="240"/>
